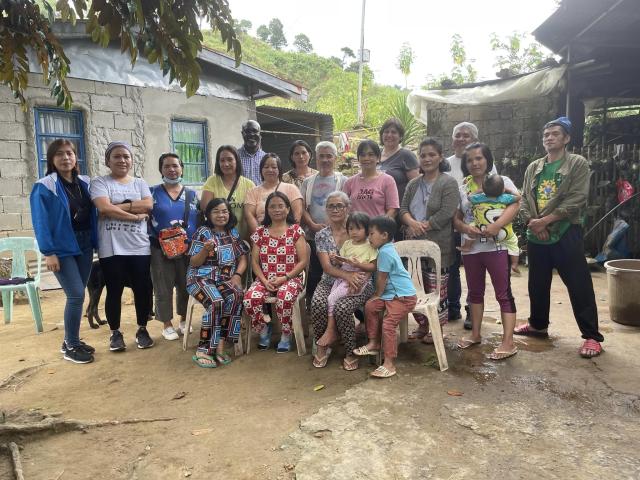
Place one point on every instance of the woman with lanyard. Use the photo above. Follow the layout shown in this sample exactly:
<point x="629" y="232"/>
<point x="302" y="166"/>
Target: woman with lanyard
<point x="228" y="182"/>
<point x="271" y="174"/>
<point x="429" y="204"/>
<point x="64" y="222"/>
<point x="173" y="206"/>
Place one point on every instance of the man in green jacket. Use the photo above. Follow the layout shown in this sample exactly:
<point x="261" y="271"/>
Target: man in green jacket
<point x="554" y="195"/>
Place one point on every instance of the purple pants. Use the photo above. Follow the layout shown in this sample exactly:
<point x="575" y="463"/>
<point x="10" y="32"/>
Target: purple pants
<point x="497" y="264"/>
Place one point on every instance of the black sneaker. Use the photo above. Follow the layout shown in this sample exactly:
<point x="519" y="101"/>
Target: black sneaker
<point x="143" y="339"/>
<point x="83" y="346"/>
<point x="77" y="355"/>
<point x="116" y="342"/>
<point x="454" y="315"/>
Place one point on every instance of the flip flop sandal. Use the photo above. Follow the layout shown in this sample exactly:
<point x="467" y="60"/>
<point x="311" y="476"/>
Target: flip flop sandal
<point x="590" y="344"/>
<point x="382" y="372"/>
<point x="417" y="334"/>
<point x="526" y="331"/>
<point x="364" y="351"/>
<point x="497" y="355"/>
<point x="223" y="358"/>
<point x="198" y="361"/>
<point x="321" y="362"/>
<point x="349" y="366"/>
<point x="466" y="343"/>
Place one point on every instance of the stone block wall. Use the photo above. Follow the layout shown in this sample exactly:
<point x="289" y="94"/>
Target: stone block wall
<point x="508" y="128"/>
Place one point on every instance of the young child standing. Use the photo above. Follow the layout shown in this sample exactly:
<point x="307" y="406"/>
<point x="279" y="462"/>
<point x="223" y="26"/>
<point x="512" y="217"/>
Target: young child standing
<point x="488" y="204"/>
<point x="356" y="255"/>
<point x="395" y="294"/>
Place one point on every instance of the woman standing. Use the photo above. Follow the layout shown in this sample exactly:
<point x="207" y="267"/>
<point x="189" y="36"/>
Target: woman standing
<point x="429" y="204"/>
<point x="487" y="254"/>
<point x="398" y="162"/>
<point x="271" y="174"/>
<point x="173" y="205"/>
<point x="124" y="203"/>
<point x="218" y="263"/>
<point x="228" y="182"/>
<point x="372" y="192"/>
<point x="329" y="240"/>
<point x="64" y="223"/>
<point x="278" y="257"/>
<point x="300" y="155"/>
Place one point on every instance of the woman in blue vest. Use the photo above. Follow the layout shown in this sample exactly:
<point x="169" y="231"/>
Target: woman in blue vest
<point x="64" y="222"/>
<point x="173" y="204"/>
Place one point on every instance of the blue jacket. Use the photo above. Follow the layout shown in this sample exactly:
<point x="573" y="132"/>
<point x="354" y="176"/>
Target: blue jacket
<point x="51" y="218"/>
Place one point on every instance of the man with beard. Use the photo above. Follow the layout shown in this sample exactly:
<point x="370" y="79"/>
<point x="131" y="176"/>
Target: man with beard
<point x="251" y="152"/>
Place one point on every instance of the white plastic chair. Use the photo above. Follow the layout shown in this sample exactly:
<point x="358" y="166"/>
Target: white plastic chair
<point x="413" y="251"/>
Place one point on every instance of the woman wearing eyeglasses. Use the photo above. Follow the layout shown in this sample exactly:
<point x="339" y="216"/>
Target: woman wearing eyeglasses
<point x="329" y="240"/>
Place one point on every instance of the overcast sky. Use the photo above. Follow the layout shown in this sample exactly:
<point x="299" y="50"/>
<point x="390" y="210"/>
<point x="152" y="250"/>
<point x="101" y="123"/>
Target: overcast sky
<point x="427" y="25"/>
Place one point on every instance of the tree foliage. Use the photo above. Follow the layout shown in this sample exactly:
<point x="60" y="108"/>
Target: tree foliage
<point x="346" y="53"/>
<point x="463" y="70"/>
<point x="263" y="33"/>
<point x="273" y="34"/>
<point x="516" y="54"/>
<point x="242" y="27"/>
<point x="405" y="60"/>
<point x="414" y="131"/>
<point x="166" y="32"/>
<point x="302" y="43"/>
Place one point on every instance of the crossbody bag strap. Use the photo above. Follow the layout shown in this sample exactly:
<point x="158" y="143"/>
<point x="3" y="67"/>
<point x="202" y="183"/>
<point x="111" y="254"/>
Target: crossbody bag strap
<point x="187" y="208"/>
<point x="233" y="188"/>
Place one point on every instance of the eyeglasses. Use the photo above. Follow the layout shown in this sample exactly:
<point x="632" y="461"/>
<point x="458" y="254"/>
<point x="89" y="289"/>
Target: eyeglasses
<point x="336" y="207"/>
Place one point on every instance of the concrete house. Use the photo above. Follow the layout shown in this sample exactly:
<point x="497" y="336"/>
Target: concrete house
<point x="113" y="101"/>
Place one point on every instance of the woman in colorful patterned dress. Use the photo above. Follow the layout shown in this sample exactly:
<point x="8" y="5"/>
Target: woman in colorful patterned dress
<point x="218" y="262"/>
<point x="278" y="257"/>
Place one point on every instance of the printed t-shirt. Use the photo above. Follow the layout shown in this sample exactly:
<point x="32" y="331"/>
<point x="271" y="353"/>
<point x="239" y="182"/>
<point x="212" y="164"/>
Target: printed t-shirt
<point x="487" y="210"/>
<point x="546" y="189"/>
<point x="216" y="186"/>
<point x="322" y="187"/>
<point x="373" y="197"/>
<point x="399" y="282"/>
<point x="258" y="196"/>
<point x="121" y="237"/>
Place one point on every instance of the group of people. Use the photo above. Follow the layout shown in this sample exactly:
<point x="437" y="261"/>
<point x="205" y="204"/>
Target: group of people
<point x="253" y="217"/>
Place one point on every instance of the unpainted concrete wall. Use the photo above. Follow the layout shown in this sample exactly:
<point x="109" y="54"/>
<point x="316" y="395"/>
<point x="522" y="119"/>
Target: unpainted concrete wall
<point x="139" y="116"/>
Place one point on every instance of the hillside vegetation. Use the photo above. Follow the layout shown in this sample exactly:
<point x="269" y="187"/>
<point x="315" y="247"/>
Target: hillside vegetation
<point x="332" y="90"/>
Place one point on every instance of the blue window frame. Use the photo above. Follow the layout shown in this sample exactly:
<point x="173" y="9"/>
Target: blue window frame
<point x="54" y="123"/>
<point x="189" y="141"/>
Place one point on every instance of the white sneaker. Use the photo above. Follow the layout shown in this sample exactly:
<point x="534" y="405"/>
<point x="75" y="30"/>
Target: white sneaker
<point x="169" y="333"/>
<point x="182" y="327"/>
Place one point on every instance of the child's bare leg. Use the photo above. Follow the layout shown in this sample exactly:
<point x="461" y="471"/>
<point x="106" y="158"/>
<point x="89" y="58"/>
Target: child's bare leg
<point x="466" y="245"/>
<point x="515" y="262"/>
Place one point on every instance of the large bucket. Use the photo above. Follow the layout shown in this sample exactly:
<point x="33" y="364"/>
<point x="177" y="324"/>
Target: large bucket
<point x="623" y="277"/>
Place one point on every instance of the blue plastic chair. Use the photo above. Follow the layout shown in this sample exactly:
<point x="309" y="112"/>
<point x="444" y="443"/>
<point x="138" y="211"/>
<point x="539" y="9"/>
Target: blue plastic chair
<point x="18" y="246"/>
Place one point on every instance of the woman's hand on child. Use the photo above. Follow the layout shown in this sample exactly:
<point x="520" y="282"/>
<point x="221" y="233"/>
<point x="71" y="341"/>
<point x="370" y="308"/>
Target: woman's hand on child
<point x="473" y="231"/>
<point x="491" y="230"/>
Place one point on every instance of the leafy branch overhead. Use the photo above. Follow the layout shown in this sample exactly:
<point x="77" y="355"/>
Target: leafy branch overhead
<point x="166" y="32"/>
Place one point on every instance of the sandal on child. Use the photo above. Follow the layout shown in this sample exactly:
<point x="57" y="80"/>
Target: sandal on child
<point x="350" y="365"/>
<point x="223" y="358"/>
<point x="321" y="362"/>
<point x="265" y="337"/>
<point x="382" y="372"/>
<point x="204" y="361"/>
<point x="364" y="351"/>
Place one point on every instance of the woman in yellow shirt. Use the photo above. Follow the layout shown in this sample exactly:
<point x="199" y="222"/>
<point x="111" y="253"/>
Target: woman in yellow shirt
<point x="227" y="182"/>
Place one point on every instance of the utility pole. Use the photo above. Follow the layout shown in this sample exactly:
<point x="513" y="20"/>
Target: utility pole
<point x="360" y="64"/>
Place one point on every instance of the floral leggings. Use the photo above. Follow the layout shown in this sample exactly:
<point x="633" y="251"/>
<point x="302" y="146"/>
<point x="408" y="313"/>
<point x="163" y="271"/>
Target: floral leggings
<point x="342" y="312"/>
<point x="286" y="297"/>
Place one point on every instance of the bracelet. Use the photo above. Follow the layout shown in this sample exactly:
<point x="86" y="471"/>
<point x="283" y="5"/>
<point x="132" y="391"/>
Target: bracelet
<point x="239" y="274"/>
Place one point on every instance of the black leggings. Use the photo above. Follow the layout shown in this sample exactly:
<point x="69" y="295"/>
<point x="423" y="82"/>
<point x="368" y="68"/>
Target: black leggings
<point x="127" y="271"/>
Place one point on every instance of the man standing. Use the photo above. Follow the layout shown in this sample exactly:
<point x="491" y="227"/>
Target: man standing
<point x="554" y="194"/>
<point x="251" y="152"/>
<point x="315" y="190"/>
<point x="464" y="134"/>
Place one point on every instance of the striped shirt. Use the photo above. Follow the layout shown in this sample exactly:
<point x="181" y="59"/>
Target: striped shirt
<point x="251" y="164"/>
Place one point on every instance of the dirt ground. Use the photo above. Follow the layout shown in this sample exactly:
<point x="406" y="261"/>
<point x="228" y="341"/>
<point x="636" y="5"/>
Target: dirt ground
<point x="545" y="413"/>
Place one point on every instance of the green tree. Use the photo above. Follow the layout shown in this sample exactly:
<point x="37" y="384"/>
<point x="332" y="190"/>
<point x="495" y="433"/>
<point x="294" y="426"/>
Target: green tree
<point x="463" y="70"/>
<point x="516" y="54"/>
<point x="346" y="53"/>
<point x="405" y="60"/>
<point x="302" y="43"/>
<point x="242" y="27"/>
<point x="276" y="34"/>
<point x="166" y="32"/>
<point x="263" y="33"/>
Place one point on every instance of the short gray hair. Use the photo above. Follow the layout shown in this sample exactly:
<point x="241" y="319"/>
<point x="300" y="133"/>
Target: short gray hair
<point x="469" y="126"/>
<point x="341" y="195"/>
<point x="329" y="145"/>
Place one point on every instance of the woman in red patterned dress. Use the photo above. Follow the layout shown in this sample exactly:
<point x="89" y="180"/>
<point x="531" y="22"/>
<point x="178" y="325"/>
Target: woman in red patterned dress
<point x="278" y="257"/>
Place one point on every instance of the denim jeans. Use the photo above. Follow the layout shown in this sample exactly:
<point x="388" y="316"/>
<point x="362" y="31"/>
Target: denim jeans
<point x="73" y="276"/>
